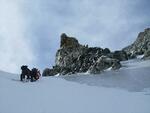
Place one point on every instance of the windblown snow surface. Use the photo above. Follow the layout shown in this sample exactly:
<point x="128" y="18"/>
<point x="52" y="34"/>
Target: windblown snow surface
<point x="124" y="91"/>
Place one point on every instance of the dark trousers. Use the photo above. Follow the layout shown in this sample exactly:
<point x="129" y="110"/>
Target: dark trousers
<point x="33" y="78"/>
<point x="22" y="76"/>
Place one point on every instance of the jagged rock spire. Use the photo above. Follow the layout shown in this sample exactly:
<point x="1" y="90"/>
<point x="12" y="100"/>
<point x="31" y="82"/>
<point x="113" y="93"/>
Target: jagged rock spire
<point x="67" y="41"/>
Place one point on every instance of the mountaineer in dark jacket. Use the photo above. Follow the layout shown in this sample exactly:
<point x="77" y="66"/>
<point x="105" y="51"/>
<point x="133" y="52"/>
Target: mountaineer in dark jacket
<point x="25" y="72"/>
<point x="35" y="74"/>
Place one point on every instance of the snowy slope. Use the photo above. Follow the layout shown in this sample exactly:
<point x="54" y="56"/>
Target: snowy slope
<point x="133" y="76"/>
<point x="124" y="91"/>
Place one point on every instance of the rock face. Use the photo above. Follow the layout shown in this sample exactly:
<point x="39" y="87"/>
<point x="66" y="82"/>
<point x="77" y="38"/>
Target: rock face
<point x="103" y="63"/>
<point x="72" y="57"/>
<point x="146" y="54"/>
<point x="140" y="46"/>
<point x="69" y="51"/>
<point x="68" y="41"/>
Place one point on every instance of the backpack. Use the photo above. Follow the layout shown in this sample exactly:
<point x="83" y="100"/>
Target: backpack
<point x="36" y="73"/>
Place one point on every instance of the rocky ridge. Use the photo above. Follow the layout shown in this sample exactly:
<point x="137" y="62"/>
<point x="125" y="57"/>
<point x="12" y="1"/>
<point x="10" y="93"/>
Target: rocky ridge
<point x="73" y="57"/>
<point x="140" y="46"/>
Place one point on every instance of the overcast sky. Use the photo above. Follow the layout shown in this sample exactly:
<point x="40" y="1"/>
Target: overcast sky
<point x="30" y="29"/>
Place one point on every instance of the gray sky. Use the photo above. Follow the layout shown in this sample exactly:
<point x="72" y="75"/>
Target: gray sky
<point x="30" y="29"/>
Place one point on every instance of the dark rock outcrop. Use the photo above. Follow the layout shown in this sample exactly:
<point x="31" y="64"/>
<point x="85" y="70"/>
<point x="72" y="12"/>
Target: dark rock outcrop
<point x="140" y="46"/>
<point x="68" y="41"/>
<point x="120" y="55"/>
<point x="51" y="72"/>
<point x="72" y="57"/>
<point x="103" y="63"/>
